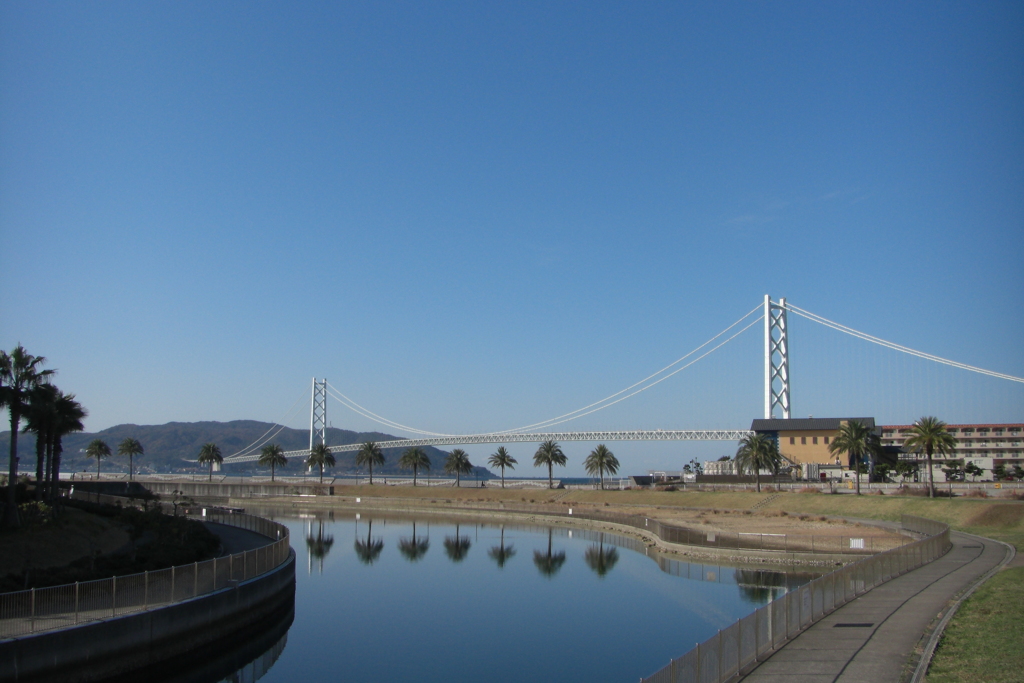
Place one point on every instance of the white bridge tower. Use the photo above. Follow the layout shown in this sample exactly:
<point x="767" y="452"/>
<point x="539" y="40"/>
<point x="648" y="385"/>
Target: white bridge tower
<point x="318" y="414"/>
<point x="776" y="358"/>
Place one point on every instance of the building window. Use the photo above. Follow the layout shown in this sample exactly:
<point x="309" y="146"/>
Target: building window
<point x="826" y="440"/>
<point x="814" y="440"/>
<point x="803" y="440"/>
<point x="792" y="440"/>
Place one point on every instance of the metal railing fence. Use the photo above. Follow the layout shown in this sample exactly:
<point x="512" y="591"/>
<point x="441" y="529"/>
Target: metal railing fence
<point x="732" y="650"/>
<point x="42" y="609"/>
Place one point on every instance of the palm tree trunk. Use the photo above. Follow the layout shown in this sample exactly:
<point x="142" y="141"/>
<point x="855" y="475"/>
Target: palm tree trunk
<point x="11" y="510"/>
<point x="211" y="468"/>
<point x="551" y="484"/>
<point x="371" y="473"/>
<point x="49" y="463"/>
<point x="40" y="456"/>
<point x="322" y="473"/>
<point x="414" y="484"/>
<point x="858" y="478"/>
<point x="602" y="479"/>
<point x="458" y="478"/>
<point x="271" y="472"/>
<point x="503" y="486"/>
<point x="131" y="467"/>
<point x="58" y="450"/>
<point x="757" y="477"/>
<point x="931" y="474"/>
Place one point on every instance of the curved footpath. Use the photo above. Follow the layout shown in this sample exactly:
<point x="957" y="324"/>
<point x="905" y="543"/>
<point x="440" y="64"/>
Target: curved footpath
<point x="878" y="636"/>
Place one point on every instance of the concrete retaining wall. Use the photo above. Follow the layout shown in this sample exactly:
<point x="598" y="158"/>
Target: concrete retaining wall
<point x="205" y="490"/>
<point x="118" y="645"/>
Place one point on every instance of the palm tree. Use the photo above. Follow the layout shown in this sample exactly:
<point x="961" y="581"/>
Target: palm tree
<point x="857" y="441"/>
<point x="369" y="455"/>
<point x="600" y="560"/>
<point x="413" y="548"/>
<point x="210" y="453"/>
<point x="98" y="449"/>
<point x="319" y="546"/>
<point x="549" y="453"/>
<point x="457" y="463"/>
<point x="500" y="553"/>
<point x="19" y="375"/>
<point x="501" y="458"/>
<point x="413" y="459"/>
<point x="549" y="564"/>
<point x="930" y="434"/>
<point x="68" y="419"/>
<point x="130" y="447"/>
<point x="321" y="457"/>
<point x="40" y="415"/>
<point x="272" y="455"/>
<point x="370" y="549"/>
<point x="601" y="460"/>
<point x="456" y="547"/>
<point x="757" y="452"/>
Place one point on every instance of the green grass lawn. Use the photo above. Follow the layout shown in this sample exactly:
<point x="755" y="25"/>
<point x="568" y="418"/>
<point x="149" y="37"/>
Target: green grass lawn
<point x="985" y="640"/>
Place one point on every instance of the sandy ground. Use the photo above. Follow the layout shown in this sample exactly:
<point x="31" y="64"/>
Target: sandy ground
<point x="736" y="519"/>
<point x="75" y="535"/>
<point x="766" y="523"/>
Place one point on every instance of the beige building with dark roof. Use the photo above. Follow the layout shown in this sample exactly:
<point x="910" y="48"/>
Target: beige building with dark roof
<point x="803" y="441"/>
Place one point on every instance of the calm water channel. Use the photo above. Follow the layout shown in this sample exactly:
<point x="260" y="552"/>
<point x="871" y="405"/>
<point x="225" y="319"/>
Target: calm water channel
<point x="388" y="598"/>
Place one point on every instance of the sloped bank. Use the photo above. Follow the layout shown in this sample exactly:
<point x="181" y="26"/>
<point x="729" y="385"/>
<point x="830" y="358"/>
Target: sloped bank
<point x="118" y="645"/>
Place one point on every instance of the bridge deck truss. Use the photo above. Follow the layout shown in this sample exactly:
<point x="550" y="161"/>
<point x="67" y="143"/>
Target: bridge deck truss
<point x="464" y="439"/>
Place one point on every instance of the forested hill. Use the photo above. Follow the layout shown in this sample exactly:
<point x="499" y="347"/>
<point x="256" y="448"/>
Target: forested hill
<point x="170" y="446"/>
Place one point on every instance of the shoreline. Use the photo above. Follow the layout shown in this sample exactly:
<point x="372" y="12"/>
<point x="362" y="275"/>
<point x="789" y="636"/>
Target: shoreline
<point x="751" y="557"/>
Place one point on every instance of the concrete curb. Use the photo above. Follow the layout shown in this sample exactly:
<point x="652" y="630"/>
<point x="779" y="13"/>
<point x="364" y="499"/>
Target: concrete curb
<point x="929" y="650"/>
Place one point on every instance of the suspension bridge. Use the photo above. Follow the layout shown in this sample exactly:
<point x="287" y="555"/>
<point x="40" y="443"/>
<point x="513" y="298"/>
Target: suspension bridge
<point x="777" y="404"/>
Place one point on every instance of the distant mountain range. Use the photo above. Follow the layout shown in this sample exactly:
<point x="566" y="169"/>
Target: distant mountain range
<point x="170" y="446"/>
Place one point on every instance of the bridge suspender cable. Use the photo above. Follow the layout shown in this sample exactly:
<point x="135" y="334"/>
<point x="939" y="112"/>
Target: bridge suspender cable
<point x="556" y="421"/>
<point x="568" y="416"/>
<point x="355" y="407"/>
<point x="580" y="412"/>
<point x="279" y="425"/>
<point x="897" y="347"/>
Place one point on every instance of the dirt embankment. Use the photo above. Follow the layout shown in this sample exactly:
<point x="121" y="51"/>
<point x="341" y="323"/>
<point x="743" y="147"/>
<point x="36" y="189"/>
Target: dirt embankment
<point x="74" y="535"/>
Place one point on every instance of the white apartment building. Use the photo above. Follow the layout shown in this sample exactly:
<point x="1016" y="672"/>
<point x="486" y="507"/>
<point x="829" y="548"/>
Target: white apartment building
<point x="986" y="445"/>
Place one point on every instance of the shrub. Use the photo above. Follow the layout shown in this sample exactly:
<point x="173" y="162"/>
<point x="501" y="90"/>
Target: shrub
<point x="976" y="493"/>
<point x="809" y="489"/>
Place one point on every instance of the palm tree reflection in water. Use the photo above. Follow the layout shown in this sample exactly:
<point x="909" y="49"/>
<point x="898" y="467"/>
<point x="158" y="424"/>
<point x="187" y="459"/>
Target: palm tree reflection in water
<point x="456" y="547"/>
<point x="549" y="563"/>
<point x="413" y="548"/>
<point x="601" y="559"/>
<point x="370" y="549"/>
<point x="500" y="553"/>
<point x="319" y="546"/>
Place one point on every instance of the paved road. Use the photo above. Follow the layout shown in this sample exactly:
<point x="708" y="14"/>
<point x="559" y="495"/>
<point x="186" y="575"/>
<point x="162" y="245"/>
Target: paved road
<point x="873" y="639"/>
<point x="234" y="540"/>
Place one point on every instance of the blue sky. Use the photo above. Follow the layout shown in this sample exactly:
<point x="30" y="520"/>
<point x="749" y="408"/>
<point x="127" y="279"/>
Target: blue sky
<point x="475" y="216"/>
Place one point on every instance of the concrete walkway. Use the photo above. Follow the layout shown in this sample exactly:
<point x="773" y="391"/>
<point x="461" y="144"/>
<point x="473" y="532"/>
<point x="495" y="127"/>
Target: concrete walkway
<point x="877" y="637"/>
<point x="235" y="540"/>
